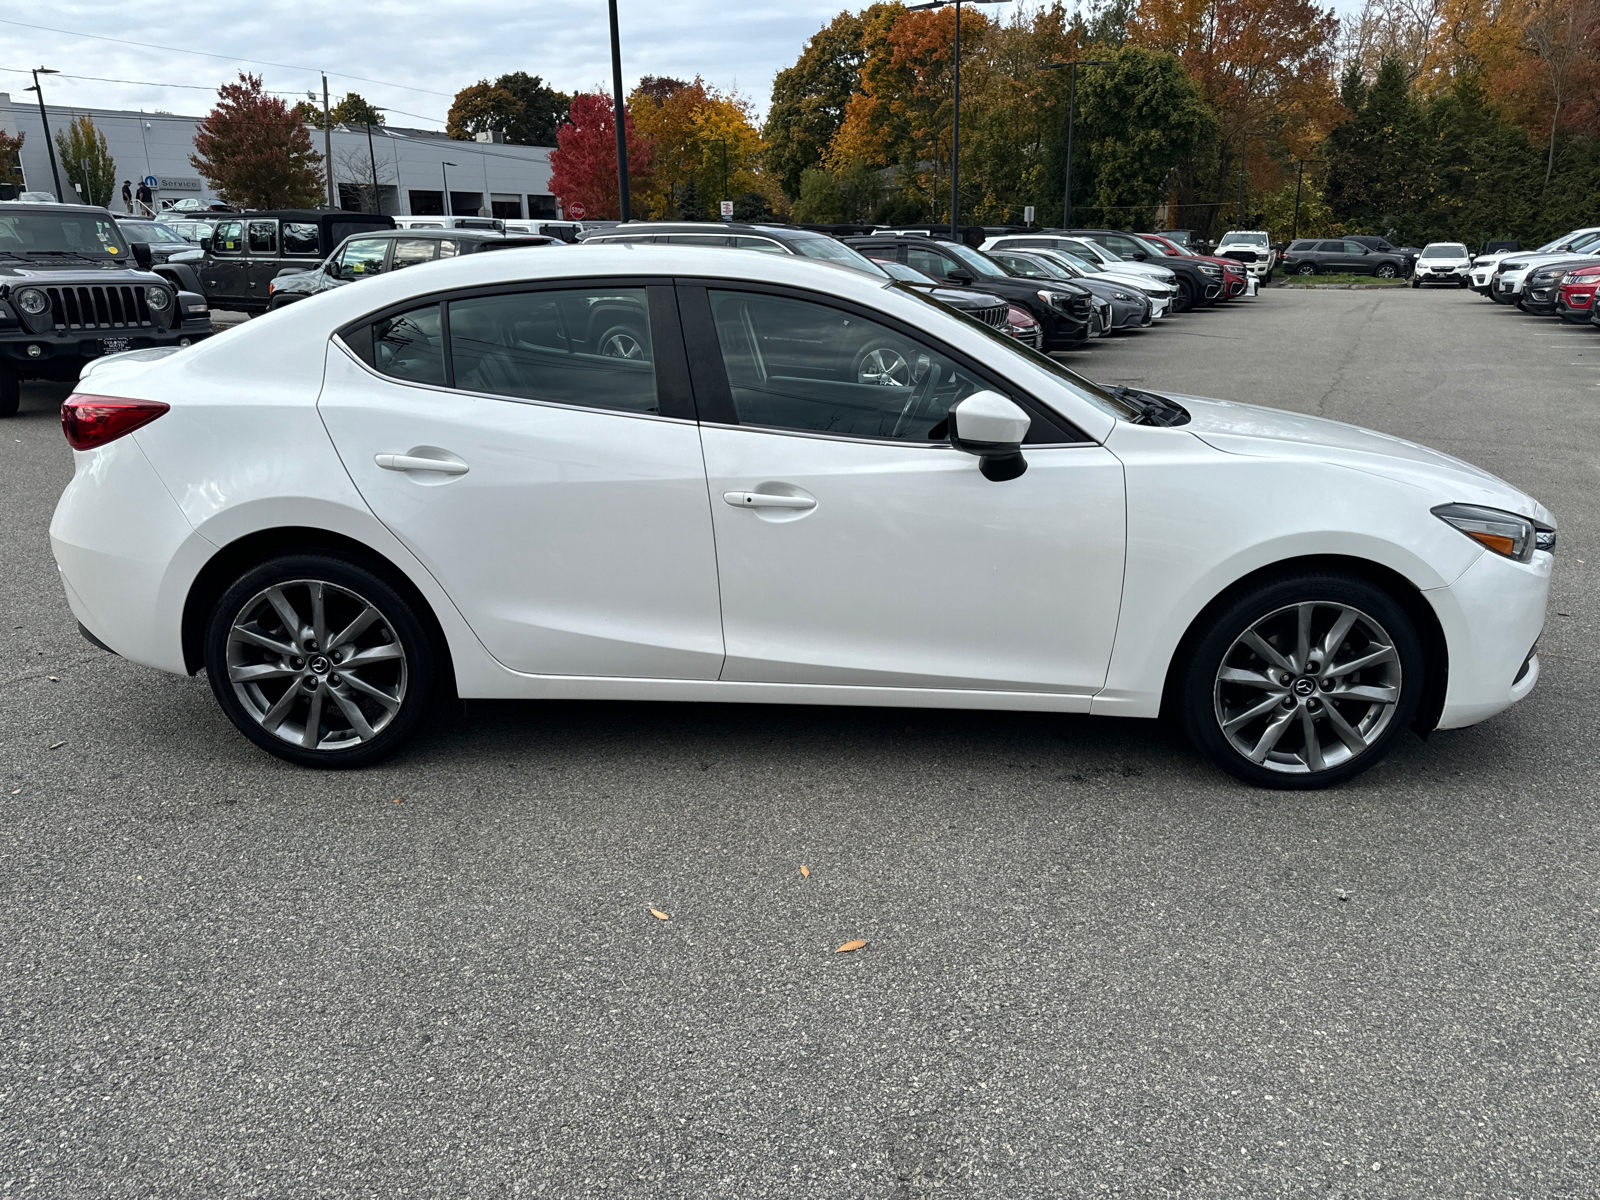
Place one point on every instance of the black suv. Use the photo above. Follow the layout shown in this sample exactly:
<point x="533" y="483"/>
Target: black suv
<point x="245" y="253"/>
<point x="1335" y="256"/>
<point x="74" y="288"/>
<point x="1380" y="245"/>
<point x="1063" y="309"/>
<point x="368" y="255"/>
<point x="1199" y="281"/>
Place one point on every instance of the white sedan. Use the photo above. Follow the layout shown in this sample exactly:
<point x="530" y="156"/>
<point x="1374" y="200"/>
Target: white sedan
<point x="669" y="473"/>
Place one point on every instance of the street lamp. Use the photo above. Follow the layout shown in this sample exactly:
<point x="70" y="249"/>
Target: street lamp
<point x="955" y="129"/>
<point x="619" y="118"/>
<point x="1072" y="107"/>
<point x="1299" y="174"/>
<point x="445" y="175"/>
<point x="372" y="157"/>
<point x="55" y="174"/>
<point x="725" y="195"/>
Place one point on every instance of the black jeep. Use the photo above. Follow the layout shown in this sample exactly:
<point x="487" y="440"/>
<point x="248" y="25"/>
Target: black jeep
<point x="245" y="253"/>
<point x="74" y="288"/>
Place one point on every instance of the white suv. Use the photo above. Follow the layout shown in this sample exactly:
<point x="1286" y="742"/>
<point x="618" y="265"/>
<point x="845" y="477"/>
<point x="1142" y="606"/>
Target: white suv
<point x="1256" y="242"/>
<point x="1442" y="262"/>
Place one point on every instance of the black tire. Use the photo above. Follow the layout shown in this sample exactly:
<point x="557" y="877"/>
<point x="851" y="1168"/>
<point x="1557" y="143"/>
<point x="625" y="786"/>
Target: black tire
<point x="10" y="392"/>
<point x="1306" y="268"/>
<point x="1387" y="271"/>
<point x="410" y="678"/>
<point x="1184" y="301"/>
<point x="1416" y="283"/>
<point x="624" y="341"/>
<point x="1202" y="697"/>
<point x="1466" y="283"/>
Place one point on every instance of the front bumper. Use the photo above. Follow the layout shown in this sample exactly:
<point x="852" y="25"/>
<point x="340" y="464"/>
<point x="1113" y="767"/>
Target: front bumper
<point x="1492" y="617"/>
<point x="1435" y="275"/>
<point x="60" y="357"/>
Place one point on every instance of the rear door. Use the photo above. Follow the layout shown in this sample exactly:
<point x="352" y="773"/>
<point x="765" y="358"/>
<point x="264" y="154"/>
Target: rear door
<point x="262" y="263"/>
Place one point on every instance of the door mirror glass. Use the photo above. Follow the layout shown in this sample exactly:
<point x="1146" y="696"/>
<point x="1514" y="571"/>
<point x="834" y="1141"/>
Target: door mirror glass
<point x="992" y="427"/>
<point x="331" y="269"/>
<point x="205" y="243"/>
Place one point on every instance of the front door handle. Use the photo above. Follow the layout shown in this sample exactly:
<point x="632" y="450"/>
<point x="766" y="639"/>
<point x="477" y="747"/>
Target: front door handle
<point x="767" y="500"/>
<point x="413" y="462"/>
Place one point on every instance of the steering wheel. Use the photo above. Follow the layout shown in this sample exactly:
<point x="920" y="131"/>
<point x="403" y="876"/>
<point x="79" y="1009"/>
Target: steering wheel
<point x="918" y="397"/>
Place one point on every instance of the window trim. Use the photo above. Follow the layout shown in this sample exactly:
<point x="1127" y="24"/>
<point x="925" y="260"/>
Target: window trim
<point x="714" y="395"/>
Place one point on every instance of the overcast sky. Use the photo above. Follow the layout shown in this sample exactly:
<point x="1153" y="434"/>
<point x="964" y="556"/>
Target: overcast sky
<point x="432" y="49"/>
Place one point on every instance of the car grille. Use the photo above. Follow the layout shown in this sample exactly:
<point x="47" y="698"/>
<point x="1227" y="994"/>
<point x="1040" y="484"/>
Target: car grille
<point x="1029" y="336"/>
<point x="995" y="316"/>
<point x="98" y="307"/>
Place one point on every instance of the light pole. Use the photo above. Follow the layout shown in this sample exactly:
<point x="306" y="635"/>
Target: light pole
<point x="1299" y="175"/>
<point x="955" y="127"/>
<point x="1244" y="144"/>
<point x="372" y="157"/>
<point x="55" y="173"/>
<point x="725" y="196"/>
<point x="1072" y="112"/>
<point x="445" y="176"/>
<point x="620" y="117"/>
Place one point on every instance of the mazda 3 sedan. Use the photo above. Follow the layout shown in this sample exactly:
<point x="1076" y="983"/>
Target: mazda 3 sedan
<point x="672" y="473"/>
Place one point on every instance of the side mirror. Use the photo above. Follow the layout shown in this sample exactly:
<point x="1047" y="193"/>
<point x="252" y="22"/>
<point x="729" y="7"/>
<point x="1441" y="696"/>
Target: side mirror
<point x="142" y="255"/>
<point x="992" y="427"/>
<point x="205" y="243"/>
<point x="330" y="269"/>
<point x="1140" y="256"/>
<point x="958" y="277"/>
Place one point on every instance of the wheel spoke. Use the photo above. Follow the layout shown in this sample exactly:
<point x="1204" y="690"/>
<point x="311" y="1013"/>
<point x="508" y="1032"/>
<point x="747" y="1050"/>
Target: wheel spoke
<point x="352" y="713"/>
<point x="1371" y="693"/>
<point x="378" y="694"/>
<point x="259" y="671"/>
<point x="1380" y="654"/>
<point x="275" y="715"/>
<point x="1250" y="714"/>
<point x="1246" y="678"/>
<point x="285" y="610"/>
<point x="1308" y="726"/>
<point x="1302" y="638"/>
<point x="246" y="633"/>
<point x="319" y="616"/>
<point x="355" y="629"/>
<point x="1348" y="734"/>
<point x="1264" y="648"/>
<point x="1270" y="736"/>
<point x="372" y="654"/>
<point x="310" y="737"/>
<point x="1335" y="637"/>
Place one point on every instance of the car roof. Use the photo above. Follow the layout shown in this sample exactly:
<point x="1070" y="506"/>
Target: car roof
<point x="731" y="227"/>
<point x="29" y="206"/>
<point x="471" y="235"/>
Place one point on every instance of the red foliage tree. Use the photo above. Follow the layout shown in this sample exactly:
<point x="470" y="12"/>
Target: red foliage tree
<point x="256" y="152"/>
<point x="583" y="166"/>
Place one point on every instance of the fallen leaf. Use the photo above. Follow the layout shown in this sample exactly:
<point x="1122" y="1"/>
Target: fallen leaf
<point x="659" y="915"/>
<point x="805" y="871"/>
<point x="52" y="679"/>
<point x="399" y="800"/>
<point x="58" y="745"/>
<point x="848" y="946"/>
<point x="17" y="792"/>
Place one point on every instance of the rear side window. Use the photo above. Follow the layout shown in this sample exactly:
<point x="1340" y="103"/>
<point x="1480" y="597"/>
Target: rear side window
<point x="300" y="237"/>
<point x="408" y="252"/>
<point x="410" y="347"/>
<point x="263" y="237"/>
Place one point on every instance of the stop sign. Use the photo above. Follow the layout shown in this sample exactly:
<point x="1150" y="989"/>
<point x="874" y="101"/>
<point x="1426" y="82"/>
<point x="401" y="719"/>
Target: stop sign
<point x="576" y="210"/>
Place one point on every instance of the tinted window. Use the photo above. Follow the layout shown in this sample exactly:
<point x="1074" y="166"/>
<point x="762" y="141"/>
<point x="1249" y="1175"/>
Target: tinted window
<point x="755" y="243"/>
<point x="300" y="237"/>
<point x="263" y="237"/>
<point x="699" y="239"/>
<point x="229" y="238"/>
<point x="1027" y="268"/>
<point x="1127" y="247"/>
<point x="795" y="364"/>
<point x="929" y="262"/>
<point x="362" y="258"/>
<point x="571" y="347"/>
<point x="1354" y="248"/>
<point x="408" y="252"/>
<point x="409" y="346"/>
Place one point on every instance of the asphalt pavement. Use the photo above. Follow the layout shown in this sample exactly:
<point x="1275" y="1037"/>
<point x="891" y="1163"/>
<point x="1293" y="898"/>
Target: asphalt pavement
<point x="1093" y="965"/>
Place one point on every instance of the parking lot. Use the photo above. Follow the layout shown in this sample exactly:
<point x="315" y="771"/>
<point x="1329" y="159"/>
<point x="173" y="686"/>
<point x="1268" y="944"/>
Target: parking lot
<point x="1094" y="964"/>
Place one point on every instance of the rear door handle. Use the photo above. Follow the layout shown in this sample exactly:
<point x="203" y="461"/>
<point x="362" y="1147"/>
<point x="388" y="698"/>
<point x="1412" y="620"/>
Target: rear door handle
<point x="767" y="500"/>
<point x="412" y="462"/>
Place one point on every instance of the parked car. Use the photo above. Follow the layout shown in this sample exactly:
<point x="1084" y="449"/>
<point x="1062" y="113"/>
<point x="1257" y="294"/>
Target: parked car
<point x="440" y="222"/>
<point x="244" y="254"/>
<point x="1198" y="282"/>
<point x="1509" y="274"/>
<point x="1065" y="311"/>
<point x="172" y="256"/>
<point x="1542" y="283"/>
<point x="766" y="239"/>
<point x="1127" y="307"/>
<point x="1484" y="263"/>
<point x="1575" y="296"/>
<point x="436" y="483"/>
<point x="1236" y="281"/>
<point x="368" y="255"/>
<point x="1379" y="245"/>
<point x="73" y="289"/>
<point x="1252" y="247"/>
<point x="1096" y="254"/>
<point x="991" y="310"/>
<point x="1341" y="256"/>
<point x="193" y="204"/>
<point x="1442" y="262"/>
<point x="1160" y="295"/>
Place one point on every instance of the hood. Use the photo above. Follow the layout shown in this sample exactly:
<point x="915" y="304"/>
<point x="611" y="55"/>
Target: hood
<point x="1249" y="429"/>
<point x="15" y="272"/>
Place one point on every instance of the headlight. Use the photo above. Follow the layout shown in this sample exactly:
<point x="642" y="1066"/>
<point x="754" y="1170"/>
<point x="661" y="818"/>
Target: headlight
<point x="1211" y="269"/>
<point x="1121" y="296"/>
<point x="1516" y="266"/>
<point x="1505" y="533"/>
<point x="32" y="301"/>
<point x="1056" y="299"/>
<point x="158" y="298"/>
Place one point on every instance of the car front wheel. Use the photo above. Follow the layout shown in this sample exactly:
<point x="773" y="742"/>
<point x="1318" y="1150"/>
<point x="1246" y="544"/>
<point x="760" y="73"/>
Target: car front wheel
<point x="320" y="660"/>
<point x="1303" y="682"/>
<point x="1386" y="271"/>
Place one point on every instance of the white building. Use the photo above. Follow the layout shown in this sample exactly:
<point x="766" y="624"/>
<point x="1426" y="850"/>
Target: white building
<point x="411" y="166"/>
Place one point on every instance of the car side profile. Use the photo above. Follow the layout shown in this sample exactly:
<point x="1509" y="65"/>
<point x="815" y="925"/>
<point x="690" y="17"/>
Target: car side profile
<point x="439" y="483"/>
<point x="1338" y="256"/>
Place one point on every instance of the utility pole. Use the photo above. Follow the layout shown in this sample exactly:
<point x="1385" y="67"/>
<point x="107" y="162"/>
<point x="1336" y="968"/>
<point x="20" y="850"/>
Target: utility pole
<point x="49" y="145"/>
<point x="327" y="143"/>
<point x="620" y="117"/>
<point x="955" y="127"/>
<point x="1072" y="113"/>
<point x="372" y="157"/>
<point x="445" y="176"/>
<point x="1299" y="176"/>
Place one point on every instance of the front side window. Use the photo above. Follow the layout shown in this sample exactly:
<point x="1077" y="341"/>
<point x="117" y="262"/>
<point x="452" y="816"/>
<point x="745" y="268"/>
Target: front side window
<point x="362" y="258"/>
<point x="797" y="364"/>
<point x="229" y="238"/>
<point x="409" y="346"/>
<point x="583" y="347"/>
<point x="408" y="252"/>
<point x="1354" y="248"/>
<point x="979" y="264"/>
<point x="263" y="237"/>
<point x="300" y="238"/>
<point x="1127" y="247"/>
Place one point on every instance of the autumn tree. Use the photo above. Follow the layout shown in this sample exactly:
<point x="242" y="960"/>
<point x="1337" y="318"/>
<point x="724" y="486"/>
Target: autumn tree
<point x="518" y="106"/>
<point x="255" y="152"/>
<point x="352" y="110"/>
<point x="705" y="148"/>
<point x="11" y="158"/>
<point x="583" y="167"/>
<point x="86" y="159"/>
<point x="809" y="98"/>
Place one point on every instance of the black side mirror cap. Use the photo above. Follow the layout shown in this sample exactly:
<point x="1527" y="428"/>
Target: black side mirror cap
<point x="142" y="254"/>
<point x="205" y="243"/>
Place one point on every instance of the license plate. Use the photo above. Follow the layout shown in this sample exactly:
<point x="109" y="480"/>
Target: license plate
<point x="115" y="345"/>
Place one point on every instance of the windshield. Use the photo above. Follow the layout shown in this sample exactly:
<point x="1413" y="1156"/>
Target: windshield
<point x="1577" y="240"/>
<point x="61" y="233"/>
<point x="1104" y="400"/>
<point x="828" y="250"/>
<point x="1244" y="239"/>
<point x="1070" y="264"/>
<point x="155" y="233"/>
<point x="1444" y="250"/>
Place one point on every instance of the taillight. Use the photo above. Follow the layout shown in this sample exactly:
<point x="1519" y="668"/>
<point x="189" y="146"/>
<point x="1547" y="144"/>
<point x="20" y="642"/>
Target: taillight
<point x="90" y="421"/>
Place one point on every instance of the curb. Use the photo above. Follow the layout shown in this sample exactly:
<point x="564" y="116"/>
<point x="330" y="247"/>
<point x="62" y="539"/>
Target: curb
<point x="1344" y="287"/>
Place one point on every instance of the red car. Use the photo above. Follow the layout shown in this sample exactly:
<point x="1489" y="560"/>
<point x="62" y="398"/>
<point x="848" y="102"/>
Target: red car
<point x="1575" y="297"/>
<point x="1233" y="271"/>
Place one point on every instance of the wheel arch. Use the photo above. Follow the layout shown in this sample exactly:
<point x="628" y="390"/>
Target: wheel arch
<point x="1400" y="589"/>
<point x="244" y="552"/>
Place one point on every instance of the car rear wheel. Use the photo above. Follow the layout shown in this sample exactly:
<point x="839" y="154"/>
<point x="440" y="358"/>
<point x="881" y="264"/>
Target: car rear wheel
<point x="1184" y="301"/>
<point x="320" y="660"/>
<point x="1302" y="682"/>
<point x="10" y="392"/>
<point x="1306" y="268"/>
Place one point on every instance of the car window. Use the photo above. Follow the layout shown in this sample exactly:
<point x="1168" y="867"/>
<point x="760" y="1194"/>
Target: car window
<point x="1330" y="247"/>
<point x="1354" y="248"/>
<point x="229" y="238"/>
<point x="300" y="237"/>
<point x="1025" y="267"/>
<point x="797" y="364"/>
<point x="408" y="252"/>
<point x="362" y="258"/>
<point x="263" y="237"/>
<point x="698" y="239"/>
<point x="929" y="262"/>
<point x="567" y="346"/>
<point x="762" y="244"/>
<point x="449" y="247"/>
<point x="1127" y="247"/>
<point x="410" y="347"/>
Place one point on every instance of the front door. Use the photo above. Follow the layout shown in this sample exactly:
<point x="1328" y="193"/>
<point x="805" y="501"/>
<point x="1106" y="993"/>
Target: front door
<point x="856" y="547"/>
<point x="224" y="266"/>
<point x="544" y="467"/>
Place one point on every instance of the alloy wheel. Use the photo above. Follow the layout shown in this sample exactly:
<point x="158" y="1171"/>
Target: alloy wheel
<point x="316" y="665"/>
<point x="621" y="343"/>
<point x="1308" y="687"/>
<point x="885" y="367"/>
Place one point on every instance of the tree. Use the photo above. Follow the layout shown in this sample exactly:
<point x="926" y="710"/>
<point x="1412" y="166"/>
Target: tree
<point x="352" y="110"/>
<point x="11" y="158"/>
<point x="87" y="160"/>
<point x="583" y="167"/>
<point x="809" y="98"/>
<point x="1373" y="159"/>
<point x="705" y="145"/>
<point x="518" y="106"/>
<point x="255" y="151"/>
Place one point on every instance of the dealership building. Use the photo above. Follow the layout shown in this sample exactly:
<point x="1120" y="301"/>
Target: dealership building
<point x="412" y="167"/>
